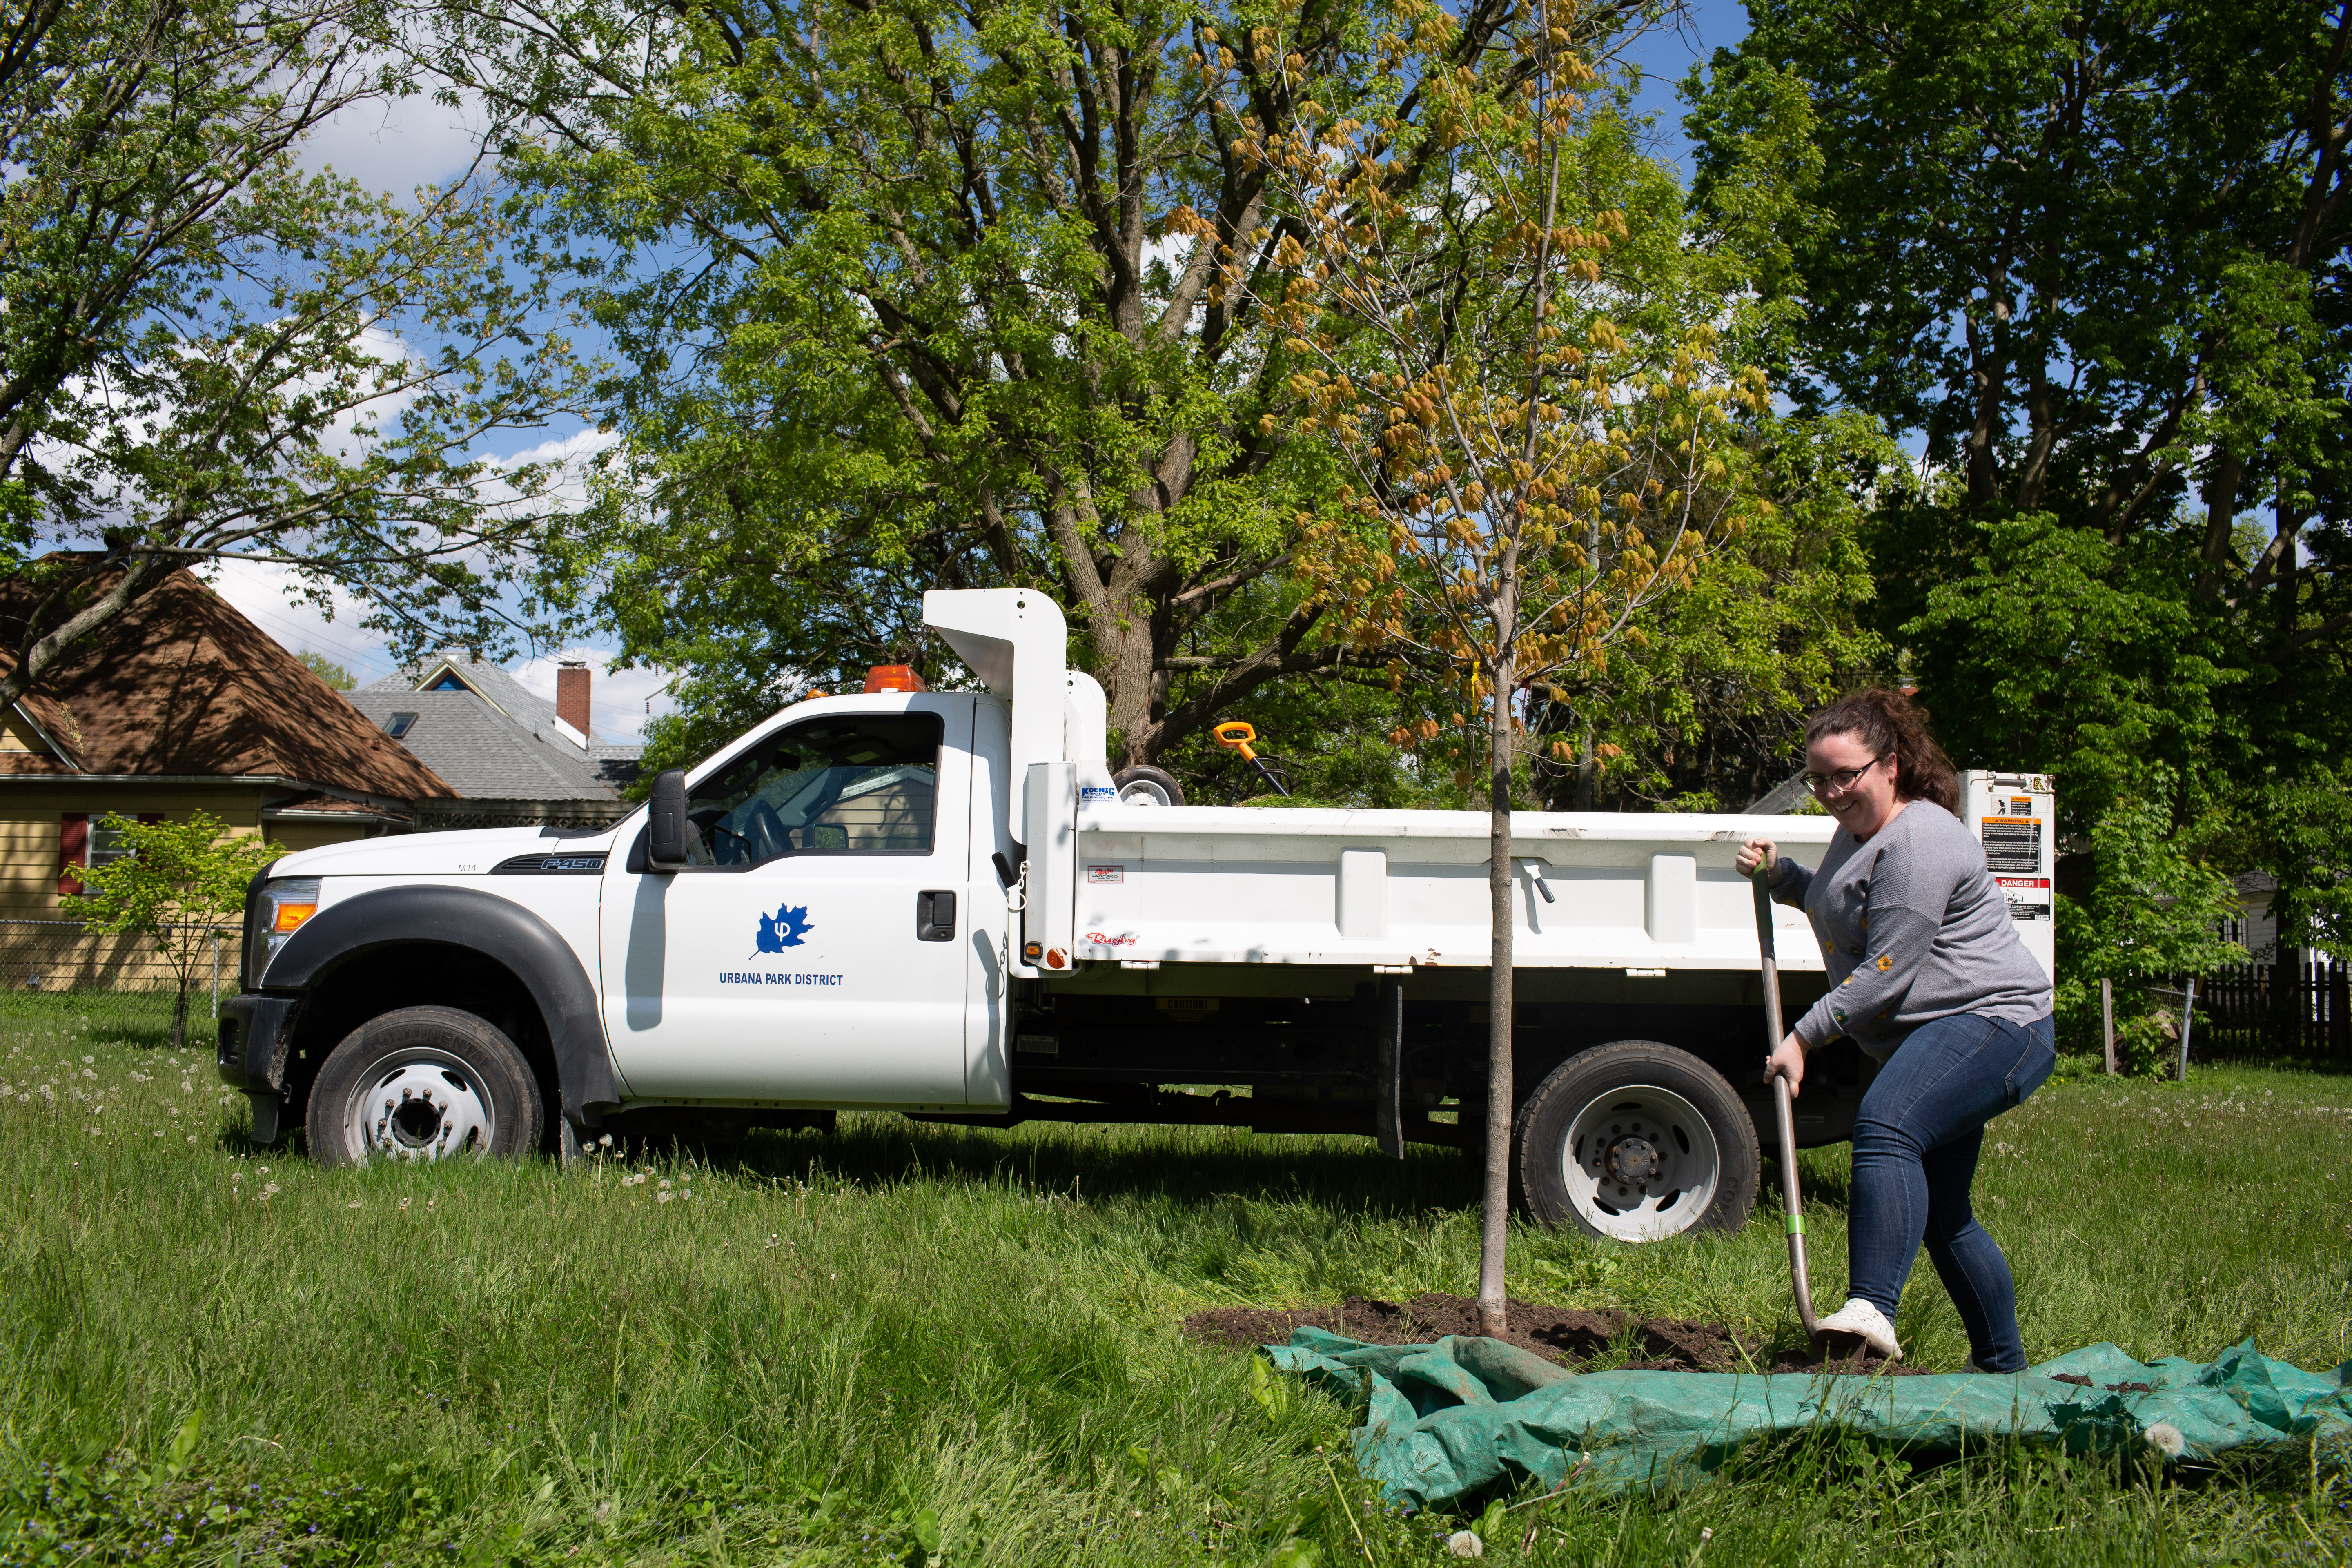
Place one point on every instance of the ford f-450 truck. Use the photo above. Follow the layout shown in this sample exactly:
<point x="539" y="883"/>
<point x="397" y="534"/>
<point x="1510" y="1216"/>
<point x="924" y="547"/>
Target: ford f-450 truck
<point x="943" y="904"/>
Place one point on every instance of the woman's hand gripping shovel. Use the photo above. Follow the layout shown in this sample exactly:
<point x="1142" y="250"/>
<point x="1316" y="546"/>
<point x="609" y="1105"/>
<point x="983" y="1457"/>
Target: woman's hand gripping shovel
<point x="1773" y="1035"/>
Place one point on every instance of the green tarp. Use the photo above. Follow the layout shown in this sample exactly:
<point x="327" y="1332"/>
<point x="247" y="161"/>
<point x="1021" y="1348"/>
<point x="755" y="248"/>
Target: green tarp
<point x="1455" y="1417"/>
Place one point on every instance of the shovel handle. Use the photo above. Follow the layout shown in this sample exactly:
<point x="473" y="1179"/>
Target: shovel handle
<point x="1784" y="1119"/>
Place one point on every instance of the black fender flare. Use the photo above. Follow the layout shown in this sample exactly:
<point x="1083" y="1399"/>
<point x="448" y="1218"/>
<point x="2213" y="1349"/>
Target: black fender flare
<point x="494" y="927"/>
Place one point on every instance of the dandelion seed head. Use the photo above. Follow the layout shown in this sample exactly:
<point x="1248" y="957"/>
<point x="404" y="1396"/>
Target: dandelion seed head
<point x="2166" y="1439"/>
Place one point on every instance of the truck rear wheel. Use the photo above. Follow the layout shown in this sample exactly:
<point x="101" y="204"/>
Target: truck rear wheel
<point x="1144" y="785"/>
<point x="420" y="1084"/>
<point x="1636" y="1141"/>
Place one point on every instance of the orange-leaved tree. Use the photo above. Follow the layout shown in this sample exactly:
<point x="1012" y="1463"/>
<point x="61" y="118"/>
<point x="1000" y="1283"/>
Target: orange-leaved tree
<point x="1525" y="392"/>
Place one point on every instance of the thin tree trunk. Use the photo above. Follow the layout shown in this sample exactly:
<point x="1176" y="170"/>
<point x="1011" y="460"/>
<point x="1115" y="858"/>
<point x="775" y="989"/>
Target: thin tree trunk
<point x="180" y="1022"/>
<point x="1494" y="1231"/>
<point x="1494" y="1226"/>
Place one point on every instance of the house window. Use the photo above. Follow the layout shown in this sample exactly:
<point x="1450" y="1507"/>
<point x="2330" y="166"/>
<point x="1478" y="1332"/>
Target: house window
<point x="84" y="840"/>
<point x="107" y="844"/>
<point x="397" y="725"/>
<point x="447" y="683"/>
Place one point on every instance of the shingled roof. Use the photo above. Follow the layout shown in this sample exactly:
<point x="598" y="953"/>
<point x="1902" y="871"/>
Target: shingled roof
<point x="494" y="740"/>
<point x="180" y="685"/>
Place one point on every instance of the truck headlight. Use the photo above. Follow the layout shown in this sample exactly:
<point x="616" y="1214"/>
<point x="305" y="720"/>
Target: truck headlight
<point x="285" y="904"/>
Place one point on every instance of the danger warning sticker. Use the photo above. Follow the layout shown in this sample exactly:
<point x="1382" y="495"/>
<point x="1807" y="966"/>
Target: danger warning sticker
<point x="2029" y="897"/>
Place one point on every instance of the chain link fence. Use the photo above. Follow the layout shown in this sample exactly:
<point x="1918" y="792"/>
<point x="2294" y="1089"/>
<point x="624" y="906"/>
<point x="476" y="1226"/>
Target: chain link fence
<point x="67" y="956"/>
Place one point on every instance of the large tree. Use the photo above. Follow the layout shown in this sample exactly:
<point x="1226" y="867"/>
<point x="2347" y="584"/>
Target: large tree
<point x="2090" y="256"/>
<point x="207" y="354"/>
<point x="900" y="301"/>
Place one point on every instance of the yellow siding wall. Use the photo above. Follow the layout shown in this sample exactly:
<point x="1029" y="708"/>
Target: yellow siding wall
<point x="64" y="957"/>
<point x="296" y="836"/>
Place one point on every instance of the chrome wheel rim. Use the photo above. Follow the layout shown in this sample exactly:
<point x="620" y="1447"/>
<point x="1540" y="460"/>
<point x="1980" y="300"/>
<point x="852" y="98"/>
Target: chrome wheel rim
<point x="1641" y="1163"/>
<point x="419" y="1107"/>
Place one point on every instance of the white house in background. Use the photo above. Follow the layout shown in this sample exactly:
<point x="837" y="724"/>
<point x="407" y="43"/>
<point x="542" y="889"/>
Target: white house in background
<point x="514" y="759"/>
<point x="2256" y="926"/>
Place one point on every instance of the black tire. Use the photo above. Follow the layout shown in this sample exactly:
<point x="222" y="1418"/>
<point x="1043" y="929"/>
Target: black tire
<point x="1144" y="785"/>
<point x="451" y="1085"/>
<point x="1667" y="1146"/>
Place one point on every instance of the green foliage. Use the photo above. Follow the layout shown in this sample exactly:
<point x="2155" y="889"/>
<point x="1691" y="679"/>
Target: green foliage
<point x="1705" y="709"/>
<point x="2151" y="909"/>
<point x="212" y="354"/>
<point x="174" y="884"/>
<point x="899" y="307"/>
<point x="328" y="670"/>
<point x="2081" y="658"/>
<point x="2089" y="258"/>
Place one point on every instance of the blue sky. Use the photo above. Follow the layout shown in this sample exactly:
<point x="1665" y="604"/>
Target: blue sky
<point x="394" y="146"/>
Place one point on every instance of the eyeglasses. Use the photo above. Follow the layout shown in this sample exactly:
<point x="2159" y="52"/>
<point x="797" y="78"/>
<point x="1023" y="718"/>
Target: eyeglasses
<point x="1842" y="780"/>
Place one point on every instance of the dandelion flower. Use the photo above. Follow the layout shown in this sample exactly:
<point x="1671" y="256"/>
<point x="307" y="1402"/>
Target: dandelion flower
<point x="664" y="1197"/>
<point x="2166" y="1439"/>
<point x="1465" y="1544"/>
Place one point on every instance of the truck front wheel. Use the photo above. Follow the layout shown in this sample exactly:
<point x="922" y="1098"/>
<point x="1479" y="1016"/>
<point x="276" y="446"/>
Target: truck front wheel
<point x="423" y="1083"/>
<point x="1635" y="1142"/>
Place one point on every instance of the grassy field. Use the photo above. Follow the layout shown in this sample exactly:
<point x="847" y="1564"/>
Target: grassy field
<point x="906" y="1344"/>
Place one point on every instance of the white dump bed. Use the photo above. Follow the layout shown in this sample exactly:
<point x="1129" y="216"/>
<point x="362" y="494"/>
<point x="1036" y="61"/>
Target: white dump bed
<point x="1245" y="885"/>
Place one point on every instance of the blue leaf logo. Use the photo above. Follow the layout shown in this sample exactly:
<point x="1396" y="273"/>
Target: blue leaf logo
<point x="784" y="929"/>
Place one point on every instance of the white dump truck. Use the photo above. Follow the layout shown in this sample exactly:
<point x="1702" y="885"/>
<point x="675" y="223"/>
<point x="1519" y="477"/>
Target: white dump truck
<point x="943" y="904"/>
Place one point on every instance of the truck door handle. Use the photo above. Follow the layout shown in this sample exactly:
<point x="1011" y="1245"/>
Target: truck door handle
<point x="935" y="915"/>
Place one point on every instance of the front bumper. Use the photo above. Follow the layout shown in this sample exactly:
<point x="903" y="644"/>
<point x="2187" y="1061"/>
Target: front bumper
<point x="253" y="1034"/>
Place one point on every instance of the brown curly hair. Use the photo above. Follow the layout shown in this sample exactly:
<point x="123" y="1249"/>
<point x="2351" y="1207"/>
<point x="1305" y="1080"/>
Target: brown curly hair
<point x="1884" y="719"/>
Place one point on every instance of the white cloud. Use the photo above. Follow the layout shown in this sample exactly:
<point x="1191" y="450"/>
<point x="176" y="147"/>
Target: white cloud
<point x="394" y="145"/>
<point x="619" y="700"/>
<point x="570" y="457"/>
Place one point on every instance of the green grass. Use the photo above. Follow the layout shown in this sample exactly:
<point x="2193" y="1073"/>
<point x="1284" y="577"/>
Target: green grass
<point x="908" y="1341"/>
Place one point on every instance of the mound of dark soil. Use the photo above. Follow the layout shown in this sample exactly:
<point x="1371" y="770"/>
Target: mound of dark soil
<point x="1572" y="1337"/>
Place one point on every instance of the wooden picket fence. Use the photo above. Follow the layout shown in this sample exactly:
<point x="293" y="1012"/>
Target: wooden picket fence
<point x="2300" y="1005"/>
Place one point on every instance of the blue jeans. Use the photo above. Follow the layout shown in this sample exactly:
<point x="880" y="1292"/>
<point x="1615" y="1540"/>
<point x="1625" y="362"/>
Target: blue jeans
<point x="1915" y="1141"/>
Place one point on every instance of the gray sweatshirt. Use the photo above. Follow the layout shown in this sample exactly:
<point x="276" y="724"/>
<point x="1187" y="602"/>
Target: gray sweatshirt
<point x="1913" y="929"/>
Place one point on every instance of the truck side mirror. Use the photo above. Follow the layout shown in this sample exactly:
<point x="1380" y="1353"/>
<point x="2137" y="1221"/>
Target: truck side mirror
<point x="665" y="825"/>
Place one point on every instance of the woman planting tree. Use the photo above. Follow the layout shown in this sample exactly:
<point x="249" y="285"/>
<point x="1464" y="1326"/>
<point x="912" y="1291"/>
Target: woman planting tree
<point x="1928" y="975"/>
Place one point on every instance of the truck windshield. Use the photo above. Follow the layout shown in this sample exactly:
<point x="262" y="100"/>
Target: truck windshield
<point x="864" y="784"/>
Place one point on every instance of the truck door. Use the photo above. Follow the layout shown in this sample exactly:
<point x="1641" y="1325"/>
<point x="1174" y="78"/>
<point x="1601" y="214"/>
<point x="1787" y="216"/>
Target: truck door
<point x="815" y="950"/>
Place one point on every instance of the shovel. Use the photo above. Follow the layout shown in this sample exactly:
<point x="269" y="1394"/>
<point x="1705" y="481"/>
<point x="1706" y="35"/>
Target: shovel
<point x="1773" y="1034"/>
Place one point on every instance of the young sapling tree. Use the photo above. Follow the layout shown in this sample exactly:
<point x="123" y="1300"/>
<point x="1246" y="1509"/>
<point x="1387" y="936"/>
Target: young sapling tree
<point x="1533" y="441"/>
<point x="174" y="884"/>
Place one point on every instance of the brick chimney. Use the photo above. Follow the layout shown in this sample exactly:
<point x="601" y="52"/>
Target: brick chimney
<point x="572" y="694"/>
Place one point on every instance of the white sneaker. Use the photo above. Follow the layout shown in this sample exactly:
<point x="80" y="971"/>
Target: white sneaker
<point x="1864" y="1322"/>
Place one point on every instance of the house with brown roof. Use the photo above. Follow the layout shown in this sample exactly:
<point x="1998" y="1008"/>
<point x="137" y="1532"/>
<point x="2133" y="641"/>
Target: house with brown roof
<point x="180" y="705"/>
